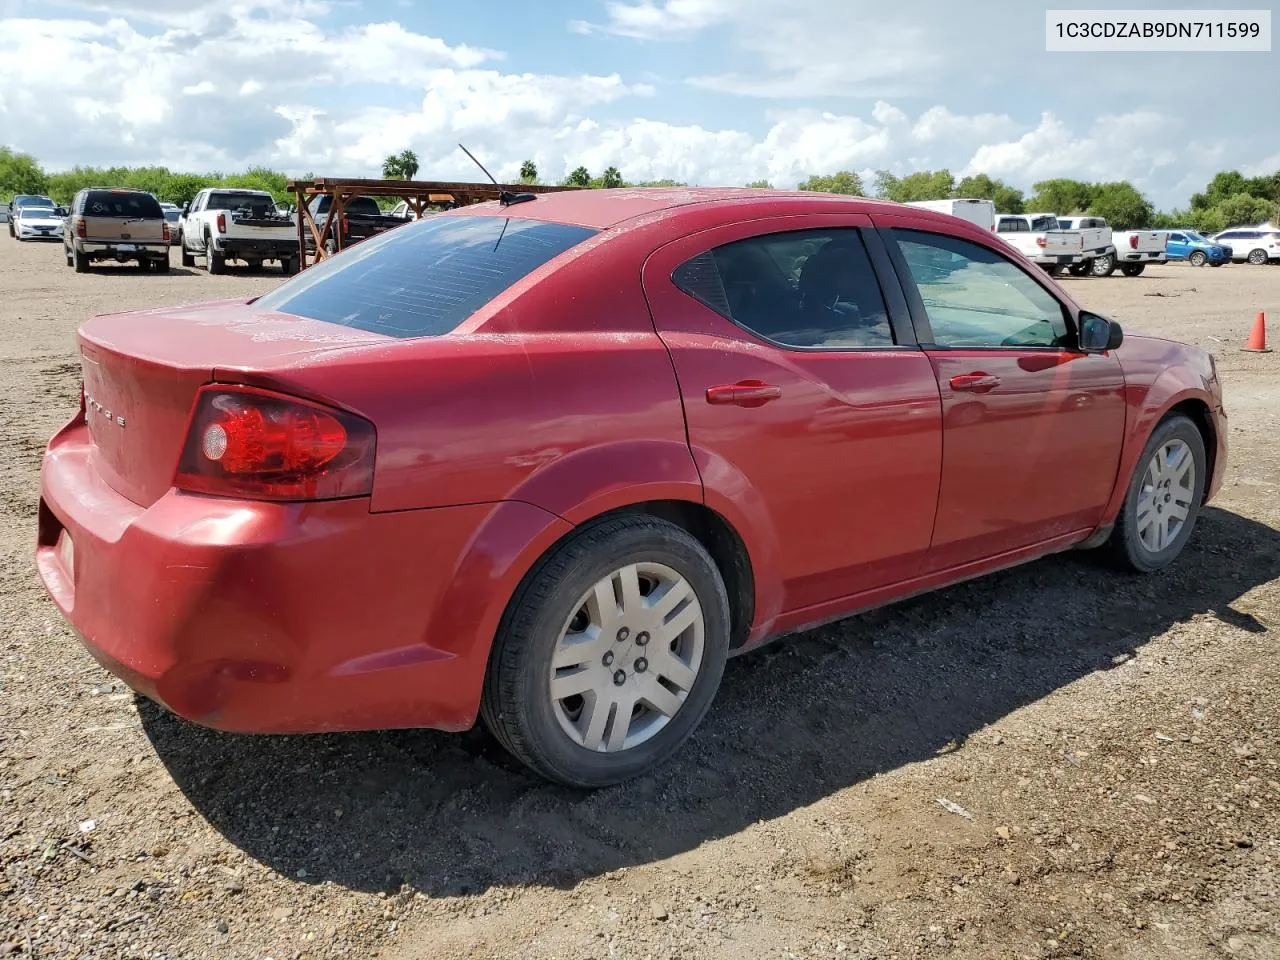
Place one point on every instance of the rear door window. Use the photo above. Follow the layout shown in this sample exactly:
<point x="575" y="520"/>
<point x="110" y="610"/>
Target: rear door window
<point x="423" y="279"/>
<point x="113" y="203"/>
<point x="800" y="289"/>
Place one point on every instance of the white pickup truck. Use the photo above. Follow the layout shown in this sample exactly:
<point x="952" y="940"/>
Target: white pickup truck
<point x="1038" y="237"/>
<point x="980" y="212"/>
<point x="1099" y="253"/>
<point x="225" y="224"/>
<point x="1137" y="248"/>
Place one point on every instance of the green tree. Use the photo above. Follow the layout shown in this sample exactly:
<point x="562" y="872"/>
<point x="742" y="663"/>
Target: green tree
<point x="846" y="182"/>
<point x="181" y="188"/>
<point x="20" y="173"/>
<point x="921" y="185"/>
<point x="611" y="178"/>
<point x="579" y="177"/>
<point x="1061" y="196"/>
<point x="1245" y="209"/>
<point x="660" y="183"/>
<point x="400" y="166"/>
<point x="528" y="172"/>
<point x="979" y="186"/>
<point x="760" y="185"/>
<point x="1120" y="203"/>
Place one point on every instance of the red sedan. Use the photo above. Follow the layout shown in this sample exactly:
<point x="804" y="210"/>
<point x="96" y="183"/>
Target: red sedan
<point x="554" y="461"/>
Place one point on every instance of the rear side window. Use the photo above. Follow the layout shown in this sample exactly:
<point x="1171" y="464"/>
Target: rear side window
<point x="425" y="278"/>
<point x="1012" y="225"/>
<point x="119" y="203"/>
<point x="803" y="289"/>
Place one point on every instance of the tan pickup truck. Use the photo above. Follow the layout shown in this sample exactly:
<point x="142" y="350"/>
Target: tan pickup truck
<point x="120" y="225"/>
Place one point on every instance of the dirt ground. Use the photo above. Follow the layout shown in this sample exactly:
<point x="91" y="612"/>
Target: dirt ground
<point x="1057" y="761"/>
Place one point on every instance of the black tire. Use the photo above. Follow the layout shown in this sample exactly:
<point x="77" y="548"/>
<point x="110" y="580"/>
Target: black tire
<point x="1052" y="269"/>
<point x="217" y="264"/>
<point x="1257" y="257"/>
<point x="1125" y="546"/>
<point x="289" y="266"/>
<point x="161" y="266"/>
<point x="516" y="705"/>
<point x="1217" y="263"/>
<point x="1198" y="258"/>
<point x="187" y="259"/>
<point x="1080" y="269"/>
<point x="1103" y="266"/>
<point x="81" y="262"/>
<point x="67" y="255"/>
<point x="1132" y="269"/>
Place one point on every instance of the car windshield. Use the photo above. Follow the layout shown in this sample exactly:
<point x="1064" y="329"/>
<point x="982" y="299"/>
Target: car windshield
<point x="32" y="210"/>
<point x="173" y="214"/>
<point x="425" y="278"/>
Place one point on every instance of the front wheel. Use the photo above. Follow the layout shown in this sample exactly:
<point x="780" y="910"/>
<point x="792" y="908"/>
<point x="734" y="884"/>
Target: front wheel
<point x="1164" y="497"/>
<point x="217" y="264"/>
<point x="1198" y="258"/>
<point x="609" y="654"/>
<point x="1132" y="269"/>
<point x="1257" y="257"/>
<point x="187" y="259"/>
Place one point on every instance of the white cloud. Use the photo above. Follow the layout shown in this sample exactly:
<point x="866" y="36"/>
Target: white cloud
<point x="196" y="89"/>
<point x="666" y="20"/>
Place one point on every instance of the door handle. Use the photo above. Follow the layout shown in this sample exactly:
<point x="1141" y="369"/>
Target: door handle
<point x="975" y="382"/>
<point x="744" y="393"/>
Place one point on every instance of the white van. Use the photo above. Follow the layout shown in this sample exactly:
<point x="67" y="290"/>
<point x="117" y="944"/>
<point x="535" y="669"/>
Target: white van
<point x="981" y="212"/>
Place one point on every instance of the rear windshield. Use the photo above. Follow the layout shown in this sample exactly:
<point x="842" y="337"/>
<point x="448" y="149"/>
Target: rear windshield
<point x="241" y="201"/>
<point x="425" y="278"/>
<point x="109" y="203"/>
<point x="1044" y="223"/>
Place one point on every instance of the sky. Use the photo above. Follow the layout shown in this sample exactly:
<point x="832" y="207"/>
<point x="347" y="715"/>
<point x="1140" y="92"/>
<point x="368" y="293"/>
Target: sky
<point x="702" y="91"/>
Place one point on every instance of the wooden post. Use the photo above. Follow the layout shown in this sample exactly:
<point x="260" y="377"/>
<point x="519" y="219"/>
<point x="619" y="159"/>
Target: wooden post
<point x="302" y="243"/>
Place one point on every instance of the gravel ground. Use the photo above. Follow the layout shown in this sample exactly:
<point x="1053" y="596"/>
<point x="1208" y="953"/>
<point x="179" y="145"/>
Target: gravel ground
<point x="1057" y="761"/>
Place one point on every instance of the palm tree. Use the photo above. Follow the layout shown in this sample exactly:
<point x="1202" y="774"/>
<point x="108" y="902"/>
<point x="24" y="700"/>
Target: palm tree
<point x="528" y="172"/>
<point x="400" y="166"/>
<point x="611" y="178"/>
<point x="578" y="178"/>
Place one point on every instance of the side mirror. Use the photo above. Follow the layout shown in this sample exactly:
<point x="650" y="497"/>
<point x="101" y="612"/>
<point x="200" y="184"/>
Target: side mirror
<point x="186" y="208"/>
<point x="1098" y="334"/>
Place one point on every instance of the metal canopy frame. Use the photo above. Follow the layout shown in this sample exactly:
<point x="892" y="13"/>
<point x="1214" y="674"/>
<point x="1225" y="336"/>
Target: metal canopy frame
<point x="419" y="194"/>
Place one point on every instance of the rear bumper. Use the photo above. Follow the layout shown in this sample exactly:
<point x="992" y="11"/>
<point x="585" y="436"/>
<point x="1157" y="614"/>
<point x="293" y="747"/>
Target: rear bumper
<point x="123" y="249"/>
<point x="257" y="249"/>
<point x="270" y="617"/>
<point x="1065" y="259"/>
<point x="1157" y="256"/>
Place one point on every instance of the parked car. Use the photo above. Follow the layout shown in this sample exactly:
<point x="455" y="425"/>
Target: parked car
<point x="224" y="224"/>
<point x="39" y="222"/>
<point x="1196" y="249"/>
<point x="22" y="199"/>
<point x="1098" y="251"/>
<point x="1038" y="237"/>
<point x="980" y="212"/>
<point x="116" y="224"/>
<point x="1251" y="244"/>
<point x="361" y="218"/>
<point x="173" y="216"/>
<point x="1138" y="249"/>
<point x="551" y="463"/>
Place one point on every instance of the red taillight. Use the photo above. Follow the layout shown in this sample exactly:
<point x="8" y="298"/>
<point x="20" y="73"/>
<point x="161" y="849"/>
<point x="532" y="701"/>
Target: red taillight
<point x="222" y="223"/>
<point x="346" y="225"/>
<point x="1039" y="241"/>
<point x="81" y="232"/>
<point x="166" y="231"/>
<point x="1133" y="241"/>
<point x="252" y="443"/>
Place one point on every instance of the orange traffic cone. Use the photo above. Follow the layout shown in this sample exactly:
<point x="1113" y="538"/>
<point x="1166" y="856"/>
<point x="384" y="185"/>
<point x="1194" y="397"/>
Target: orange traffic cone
<point x="1257" y="342"/>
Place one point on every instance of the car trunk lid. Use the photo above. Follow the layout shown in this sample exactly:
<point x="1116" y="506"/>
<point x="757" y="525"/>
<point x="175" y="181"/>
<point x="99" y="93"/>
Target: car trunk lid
<point x="142" y="371"/>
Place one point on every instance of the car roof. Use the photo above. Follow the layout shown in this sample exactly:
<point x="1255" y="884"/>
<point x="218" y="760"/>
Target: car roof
<point x="602" y="209"/>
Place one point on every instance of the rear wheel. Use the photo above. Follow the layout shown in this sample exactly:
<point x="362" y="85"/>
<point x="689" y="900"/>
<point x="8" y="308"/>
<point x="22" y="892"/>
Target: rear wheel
<point x="1132" y="269"/>
<point x="161" y="266"/>
<point x="1103" y="266"/>
<point x="217" y="264"/>
<point x="1081" y="268"/>
<point x="1198" y="258"/>
<point x="1257" y="257"/>
<point x="609" y="654"/>
<point x="289" y="266"/>
<point x="1052" y="269"/>
<point x="1163" y="501"/>
<point x="81" y="261"/>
